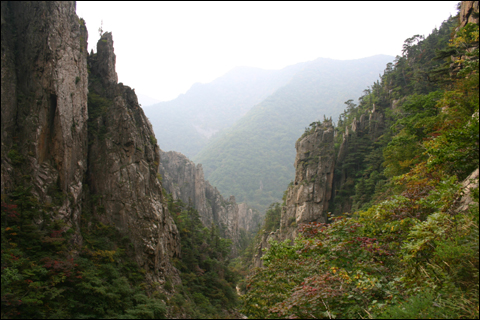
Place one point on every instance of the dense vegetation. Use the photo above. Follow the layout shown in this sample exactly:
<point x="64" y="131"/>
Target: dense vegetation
<point x="406" y="97"/>
<point x="409" y="249"/>
<point x="243" y="264"/>
<point x="44" y="275"/>
<point x="208" y="282"/>
<point x="253" y="159"/>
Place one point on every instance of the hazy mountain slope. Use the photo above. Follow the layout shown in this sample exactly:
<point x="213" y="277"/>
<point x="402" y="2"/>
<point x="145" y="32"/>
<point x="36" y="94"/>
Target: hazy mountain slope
<point x="186" y="123"/>
<point x="146" y="101"/>
<point x="253" y="159"/>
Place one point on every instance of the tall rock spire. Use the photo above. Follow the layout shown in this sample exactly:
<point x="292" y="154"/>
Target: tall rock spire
<point x="105" y="60"/>
<point x="123" y="168"/>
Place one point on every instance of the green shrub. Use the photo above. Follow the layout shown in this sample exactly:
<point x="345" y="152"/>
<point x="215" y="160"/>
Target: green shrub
<point x="16" y="157"/>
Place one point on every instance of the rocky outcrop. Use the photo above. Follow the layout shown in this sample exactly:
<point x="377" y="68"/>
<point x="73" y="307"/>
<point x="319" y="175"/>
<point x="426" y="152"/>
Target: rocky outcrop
<point x="376" y="123"/>
<point x="123" y="167"/>
<point x="185" y="181"/>
<point x="308" y="198"/>
<point x="78" y="150"/>
<point x="248" y="219"/>
<point x="470" y="183"/>
<point x="468" y="12"/>
<point x="44" y="102"/>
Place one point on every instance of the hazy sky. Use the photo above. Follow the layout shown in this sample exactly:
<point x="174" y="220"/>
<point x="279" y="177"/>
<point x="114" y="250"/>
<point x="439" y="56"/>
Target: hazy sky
<point x="163" y="48"/>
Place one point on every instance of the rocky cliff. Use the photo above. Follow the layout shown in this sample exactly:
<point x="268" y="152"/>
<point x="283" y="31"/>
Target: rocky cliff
<point x="123" y="162"/>
<point x="44" y="103"/>
<point x="185" y="181"/>
<point x="79" y="152"/>
<point x="321" y="175"/>
<point x="468" y="13"/>
<point x="307" y="199"/>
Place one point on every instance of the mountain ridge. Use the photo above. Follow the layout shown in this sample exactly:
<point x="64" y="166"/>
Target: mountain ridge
<point x="206" y="109"/>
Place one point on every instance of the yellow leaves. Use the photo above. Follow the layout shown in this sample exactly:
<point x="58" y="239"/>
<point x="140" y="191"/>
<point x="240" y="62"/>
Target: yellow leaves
<point x="108" y="254"/>
<point x="344" y="274"/>
<point x="10" y="229"/>
<point x="407" y="163"/>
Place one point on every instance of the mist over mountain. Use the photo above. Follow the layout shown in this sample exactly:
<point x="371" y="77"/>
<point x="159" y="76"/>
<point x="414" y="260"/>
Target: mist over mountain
<point x="146" y="101"/>
<point x="253" y="159"/>
<point x="186" y="123"/>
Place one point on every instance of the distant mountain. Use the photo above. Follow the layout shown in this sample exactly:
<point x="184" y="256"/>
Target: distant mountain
<point x="186" y="123"/>
<point x="145" y="100"/>
<point x="253" y="159"/>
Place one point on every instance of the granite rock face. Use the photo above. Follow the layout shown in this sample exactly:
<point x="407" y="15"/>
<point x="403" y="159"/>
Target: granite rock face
<point x="248" y="219"/>
<point x="123" y="167"/>
<point x="467" y="12"/>
<point x="44" y="101"/>
<point x="471" y="182"/>
<point x="185" y="181"/>
<point x="307" y="200"/>
<point x="78" y="136"/>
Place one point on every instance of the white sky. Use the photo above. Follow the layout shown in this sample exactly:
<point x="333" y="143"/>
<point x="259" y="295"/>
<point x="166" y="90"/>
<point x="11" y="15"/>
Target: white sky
<point x="163" y="48"/>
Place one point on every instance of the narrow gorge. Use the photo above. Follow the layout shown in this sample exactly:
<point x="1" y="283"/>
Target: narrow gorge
<point x="380" y="219"/>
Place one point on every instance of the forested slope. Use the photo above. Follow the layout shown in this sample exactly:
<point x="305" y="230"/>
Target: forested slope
<point x="404" y="241"/>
